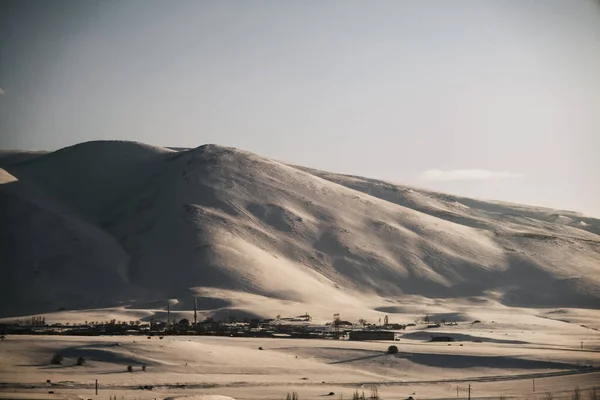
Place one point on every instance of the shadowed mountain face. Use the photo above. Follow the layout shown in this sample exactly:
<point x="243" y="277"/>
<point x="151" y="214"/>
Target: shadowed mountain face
<point x="104" y="223"/>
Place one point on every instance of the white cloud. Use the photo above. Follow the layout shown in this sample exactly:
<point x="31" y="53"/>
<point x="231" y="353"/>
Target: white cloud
<point x="1" y="92"/>
<point x="467" y="175"/>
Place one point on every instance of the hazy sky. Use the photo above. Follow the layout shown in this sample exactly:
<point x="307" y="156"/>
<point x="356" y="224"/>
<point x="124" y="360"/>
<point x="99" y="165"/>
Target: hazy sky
<point x="491" y="99"/>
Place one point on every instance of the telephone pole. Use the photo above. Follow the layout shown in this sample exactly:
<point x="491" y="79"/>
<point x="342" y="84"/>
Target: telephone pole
<point x="168" y="313"/>
<point x="195" y="312"/>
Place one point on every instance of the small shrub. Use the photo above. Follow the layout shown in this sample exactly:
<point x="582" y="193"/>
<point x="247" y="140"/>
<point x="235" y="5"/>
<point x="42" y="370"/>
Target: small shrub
<point x="57" y="359"/>
<point x="374" y="393"/>
<point x="392" y="350"/>
<point x="357" y="396"/>
<point x="129" y="368"/>
<point x="80" y="361"/>
<point x="292" y="396"/>
<point x="549" y="396"/>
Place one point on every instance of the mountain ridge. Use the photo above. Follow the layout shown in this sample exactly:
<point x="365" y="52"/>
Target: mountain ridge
<point x="220" y="220"/>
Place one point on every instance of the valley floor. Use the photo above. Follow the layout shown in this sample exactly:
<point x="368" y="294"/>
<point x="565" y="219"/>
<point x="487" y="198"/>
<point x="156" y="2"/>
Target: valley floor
<point x="495" y="361"/>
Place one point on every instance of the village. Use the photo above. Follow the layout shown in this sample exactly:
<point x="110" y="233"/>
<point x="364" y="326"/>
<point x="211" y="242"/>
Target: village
<point x="279" y="327"/>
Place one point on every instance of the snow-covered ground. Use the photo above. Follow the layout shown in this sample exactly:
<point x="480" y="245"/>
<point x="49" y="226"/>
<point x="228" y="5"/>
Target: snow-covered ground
<point x="499" y="358"/>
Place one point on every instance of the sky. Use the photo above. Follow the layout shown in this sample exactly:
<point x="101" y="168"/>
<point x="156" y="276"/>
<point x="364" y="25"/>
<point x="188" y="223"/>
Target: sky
<point x="487" y="99"/>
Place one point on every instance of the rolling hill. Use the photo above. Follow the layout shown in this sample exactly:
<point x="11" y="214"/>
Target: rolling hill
<point x="123" y="224"/>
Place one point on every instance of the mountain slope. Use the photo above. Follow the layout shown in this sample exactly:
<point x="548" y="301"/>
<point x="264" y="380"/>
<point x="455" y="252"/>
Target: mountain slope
<point x="471" y="212"/>
<point x="221" y="222"/>
<point x="51" y="259"/>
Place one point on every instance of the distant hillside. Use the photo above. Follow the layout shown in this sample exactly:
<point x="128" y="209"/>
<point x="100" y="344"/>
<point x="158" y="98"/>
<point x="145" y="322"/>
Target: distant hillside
<point x="103" y="224"/>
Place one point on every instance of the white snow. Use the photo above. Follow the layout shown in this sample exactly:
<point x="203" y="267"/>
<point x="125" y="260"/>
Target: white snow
<point x="497" y="357"/>
<point x="107" y="225"/>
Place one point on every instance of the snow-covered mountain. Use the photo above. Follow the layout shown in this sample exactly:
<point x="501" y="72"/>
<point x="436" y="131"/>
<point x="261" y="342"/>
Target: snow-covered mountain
<point x="103" y="224"/>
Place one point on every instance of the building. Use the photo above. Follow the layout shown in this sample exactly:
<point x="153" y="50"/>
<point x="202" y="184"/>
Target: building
<point x="371" y="335"/>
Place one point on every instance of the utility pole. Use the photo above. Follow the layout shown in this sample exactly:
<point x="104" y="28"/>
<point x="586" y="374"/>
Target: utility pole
<point x="195" y="312"/>
<point x="457" y="391"/>
<point x="534" y="384"/>
<point x="96" y="387"/>
<point x="469" y="391"/>
<point x="168" y="313"/>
